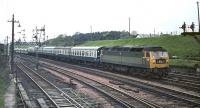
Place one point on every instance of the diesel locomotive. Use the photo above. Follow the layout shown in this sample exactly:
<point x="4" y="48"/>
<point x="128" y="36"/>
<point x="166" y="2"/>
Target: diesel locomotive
<point x="146" y="60"/>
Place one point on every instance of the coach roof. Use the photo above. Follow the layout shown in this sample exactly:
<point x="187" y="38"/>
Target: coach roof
<point x="86" y="48"/>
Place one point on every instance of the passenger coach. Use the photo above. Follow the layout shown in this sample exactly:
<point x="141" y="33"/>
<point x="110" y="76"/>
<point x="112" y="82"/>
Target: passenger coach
<point x="86" y="54"/>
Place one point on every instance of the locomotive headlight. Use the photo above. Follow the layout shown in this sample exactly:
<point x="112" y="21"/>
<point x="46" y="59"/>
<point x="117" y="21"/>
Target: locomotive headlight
<point x="167" y="61"/>
<point x="153" y="61"/>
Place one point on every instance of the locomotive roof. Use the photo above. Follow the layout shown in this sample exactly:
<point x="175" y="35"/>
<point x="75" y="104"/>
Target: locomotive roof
<point x="134" y="48"/>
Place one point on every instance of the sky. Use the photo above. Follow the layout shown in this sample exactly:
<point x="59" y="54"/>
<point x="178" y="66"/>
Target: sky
<point x="71" y="16"/>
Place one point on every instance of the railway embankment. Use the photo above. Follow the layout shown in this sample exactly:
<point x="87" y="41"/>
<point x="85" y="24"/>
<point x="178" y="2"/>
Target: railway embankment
<point x="184" y="51"/>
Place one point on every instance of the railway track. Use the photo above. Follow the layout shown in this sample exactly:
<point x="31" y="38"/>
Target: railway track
<point x="189" y="82"/>
<point x="29" y="94"/>
<point x="188" y="97"/>
<point x="121" y="97"/>
<point x="57" y="96"/>
<point x="189" y="79"/>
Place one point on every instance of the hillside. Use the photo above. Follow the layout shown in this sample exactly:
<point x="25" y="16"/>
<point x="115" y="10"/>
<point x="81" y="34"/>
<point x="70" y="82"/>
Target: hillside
<point x="80" y="38"/>
<point x="186" y="48"/>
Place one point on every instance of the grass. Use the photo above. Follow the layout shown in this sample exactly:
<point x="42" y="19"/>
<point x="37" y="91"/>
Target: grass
<point x="2" y="91"/>
<point x="3" y="79"/>
<point x="184" y="47"/>
<point x="183" y="62"/>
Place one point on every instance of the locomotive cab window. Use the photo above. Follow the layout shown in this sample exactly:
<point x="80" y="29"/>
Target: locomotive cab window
<point x="147" y="54"/>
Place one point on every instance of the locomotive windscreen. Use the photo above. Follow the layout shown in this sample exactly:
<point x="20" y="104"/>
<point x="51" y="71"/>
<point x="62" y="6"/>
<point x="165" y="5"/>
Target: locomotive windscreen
<point x="154" y="49"/>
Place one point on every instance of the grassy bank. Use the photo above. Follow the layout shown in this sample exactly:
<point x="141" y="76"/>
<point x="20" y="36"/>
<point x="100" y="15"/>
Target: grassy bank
<point x="184" y="62"/>
<point x="184" y="47"/>
<point x="3" y="79"/>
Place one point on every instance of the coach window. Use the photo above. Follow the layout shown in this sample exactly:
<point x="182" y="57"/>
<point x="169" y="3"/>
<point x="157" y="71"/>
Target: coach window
<point x="95" y="54"/>
<point x="78" y="52"/>
<point x="82" y="53"/>
<point x="92" y="54"/>
<point x="86" y="54"/>
<point x="89" y="53"/>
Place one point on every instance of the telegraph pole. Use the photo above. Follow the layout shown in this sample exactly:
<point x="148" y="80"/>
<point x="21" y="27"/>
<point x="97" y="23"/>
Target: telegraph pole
<point x="12" y="44"/>
<point x="43" y="29"/>
<point x="198" y="14"/>
<point x="37" y="39"/>
<point x="23" y="34"/>
<point x="37" y="43"/>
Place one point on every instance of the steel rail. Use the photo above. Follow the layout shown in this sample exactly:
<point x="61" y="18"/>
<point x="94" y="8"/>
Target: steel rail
<point x="143" y="101"/>
<point x="65" y="96"/>
<point x="191" y="98"/>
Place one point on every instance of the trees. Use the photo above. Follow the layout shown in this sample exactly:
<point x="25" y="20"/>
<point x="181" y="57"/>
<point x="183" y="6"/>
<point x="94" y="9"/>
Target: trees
<point x="79" y="38"/>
